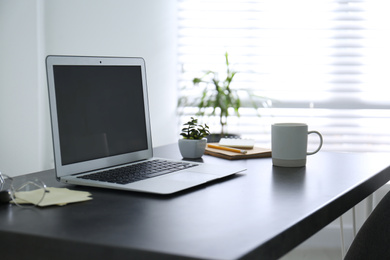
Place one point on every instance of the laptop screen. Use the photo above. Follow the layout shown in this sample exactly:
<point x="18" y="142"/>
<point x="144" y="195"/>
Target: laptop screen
<point x="100" y="111"/>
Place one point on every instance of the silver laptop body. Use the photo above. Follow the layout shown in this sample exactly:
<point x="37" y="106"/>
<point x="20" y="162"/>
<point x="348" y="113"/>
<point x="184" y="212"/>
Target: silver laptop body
<point x="100" y="120"/>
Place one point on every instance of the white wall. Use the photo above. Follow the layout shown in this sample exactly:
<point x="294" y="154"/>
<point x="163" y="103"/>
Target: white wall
<point x="19" y="115"/>
<point x="30" y="30"/>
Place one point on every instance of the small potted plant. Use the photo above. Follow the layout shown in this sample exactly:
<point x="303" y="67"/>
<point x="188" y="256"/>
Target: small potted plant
<point x="193" y="142"/>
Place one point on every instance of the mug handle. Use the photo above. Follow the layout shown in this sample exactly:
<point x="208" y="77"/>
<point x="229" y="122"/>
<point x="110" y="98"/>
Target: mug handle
<point x="321" y="141"/>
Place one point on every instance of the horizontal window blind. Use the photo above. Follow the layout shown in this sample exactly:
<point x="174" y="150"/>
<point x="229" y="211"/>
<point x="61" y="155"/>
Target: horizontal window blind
<point x="323" y="62"/>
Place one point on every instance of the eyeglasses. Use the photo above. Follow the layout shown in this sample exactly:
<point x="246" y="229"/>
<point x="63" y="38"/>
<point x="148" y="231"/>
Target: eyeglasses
<point x="23" y="193"/>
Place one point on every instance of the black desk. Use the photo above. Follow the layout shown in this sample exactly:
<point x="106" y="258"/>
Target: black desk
<point x="260" y="214"/>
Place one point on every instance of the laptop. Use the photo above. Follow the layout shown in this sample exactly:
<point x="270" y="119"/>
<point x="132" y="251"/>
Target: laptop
<point x="102" y="133"/>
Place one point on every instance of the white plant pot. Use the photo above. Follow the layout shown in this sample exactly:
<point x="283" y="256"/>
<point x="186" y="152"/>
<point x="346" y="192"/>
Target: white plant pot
<point x="192" y="149"/>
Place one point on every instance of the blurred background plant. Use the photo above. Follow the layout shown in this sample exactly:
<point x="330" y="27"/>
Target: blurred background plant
<point x="218" y="98"/>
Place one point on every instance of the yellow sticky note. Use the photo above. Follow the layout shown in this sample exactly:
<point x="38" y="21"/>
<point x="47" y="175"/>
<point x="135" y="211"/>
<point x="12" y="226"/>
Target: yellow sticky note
<point x="53" y="196"/>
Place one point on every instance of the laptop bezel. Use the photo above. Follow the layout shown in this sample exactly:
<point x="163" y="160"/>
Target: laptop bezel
<point x="112" y="161"/>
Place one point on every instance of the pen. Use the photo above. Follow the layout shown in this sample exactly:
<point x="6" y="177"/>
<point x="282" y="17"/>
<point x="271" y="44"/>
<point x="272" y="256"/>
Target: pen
<point x="227" y="149"/>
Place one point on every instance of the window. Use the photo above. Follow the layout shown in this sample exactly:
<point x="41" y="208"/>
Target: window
<point x="321" y="62"/>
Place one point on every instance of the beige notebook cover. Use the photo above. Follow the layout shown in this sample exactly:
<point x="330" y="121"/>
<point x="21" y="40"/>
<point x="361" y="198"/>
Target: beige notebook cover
<point x="256" y="152"/>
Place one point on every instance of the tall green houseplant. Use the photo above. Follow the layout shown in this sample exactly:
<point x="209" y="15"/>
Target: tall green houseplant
<point x="218" y="98"/>
<point x="218" y="94"/>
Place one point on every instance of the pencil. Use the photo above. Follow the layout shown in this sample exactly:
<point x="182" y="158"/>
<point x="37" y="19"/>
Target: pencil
<point x="227" y="148"/>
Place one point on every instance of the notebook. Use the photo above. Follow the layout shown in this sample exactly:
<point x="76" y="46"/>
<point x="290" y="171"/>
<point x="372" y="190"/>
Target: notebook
<point x="100" y="124"/>
<point x="237" y="143"/>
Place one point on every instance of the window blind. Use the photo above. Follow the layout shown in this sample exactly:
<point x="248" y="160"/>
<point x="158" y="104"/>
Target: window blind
<point x="323" y="62"/>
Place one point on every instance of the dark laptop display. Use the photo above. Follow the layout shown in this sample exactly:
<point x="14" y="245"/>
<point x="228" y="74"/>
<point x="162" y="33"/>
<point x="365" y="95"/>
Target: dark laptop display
<point x="100" y="111"/>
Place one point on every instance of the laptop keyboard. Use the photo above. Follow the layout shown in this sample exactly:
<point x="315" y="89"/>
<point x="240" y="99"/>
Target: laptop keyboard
<point x="137" y="172"/>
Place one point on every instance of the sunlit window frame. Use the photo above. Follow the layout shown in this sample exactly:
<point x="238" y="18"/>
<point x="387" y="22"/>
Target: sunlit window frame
<point x="319" y="62"/>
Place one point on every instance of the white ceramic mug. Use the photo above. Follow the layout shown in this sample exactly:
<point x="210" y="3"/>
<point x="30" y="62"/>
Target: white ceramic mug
<point x="289" y="144"/>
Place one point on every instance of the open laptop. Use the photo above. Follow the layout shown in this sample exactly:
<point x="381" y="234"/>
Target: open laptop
<point x="101" y="128"/>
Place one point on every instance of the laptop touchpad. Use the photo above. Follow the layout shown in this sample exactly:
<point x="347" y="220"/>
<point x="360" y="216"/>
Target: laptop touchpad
<point x="189" y="176"/>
